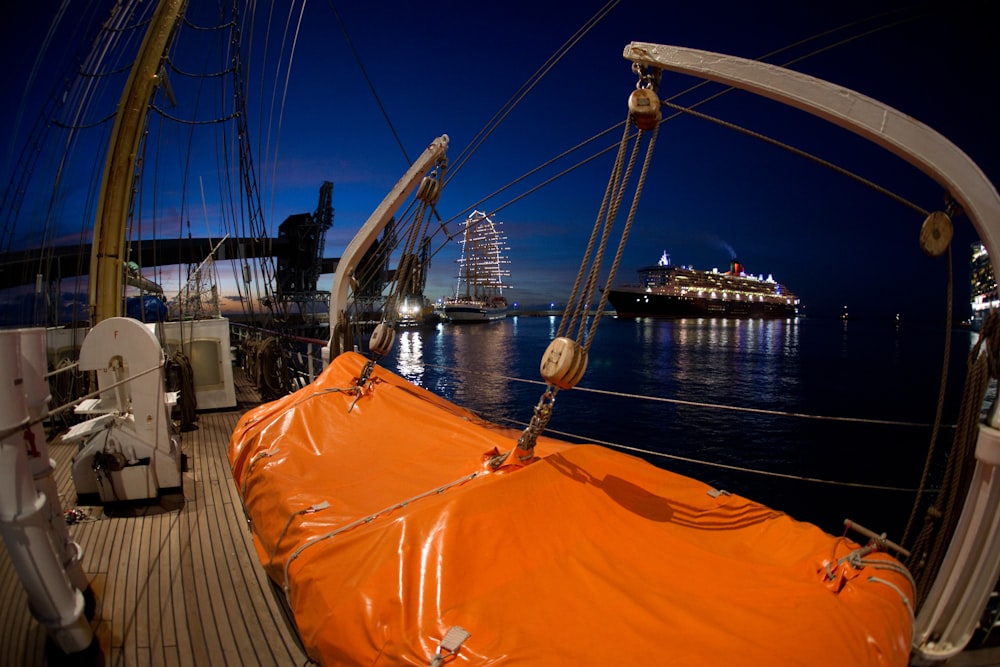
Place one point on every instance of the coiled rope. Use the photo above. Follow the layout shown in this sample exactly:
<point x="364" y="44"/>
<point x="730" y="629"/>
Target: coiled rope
<point x="265" y="363"/>
<point x="180" y="378"/>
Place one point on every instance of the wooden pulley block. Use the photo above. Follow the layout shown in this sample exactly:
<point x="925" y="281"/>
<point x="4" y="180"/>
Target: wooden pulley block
<point x="429" y="190"/>
<point x="644" y="108"/>
<point x="936" y="233"/>
<point x="381" y="340"/>
<point x="563" y="363"/>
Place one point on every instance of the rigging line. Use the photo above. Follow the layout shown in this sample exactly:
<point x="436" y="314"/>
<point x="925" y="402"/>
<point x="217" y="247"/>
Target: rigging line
<point x="788" y="47"/>
<point x="853" y="38"/>
<point x="136" y="207"/>
<point x="284" y="98"/>
<point x="527" y="87"/>
<point x="100" y="75"/>
<point x="581" y="292"/>
<point x="613" y="271"/>
<point x="679" y="109"/>
<point x="694" y="404"/>
<point x="465" y="211"/>
<point x="35" y="67"/>
<point x="761" y="411"/>
<point x="48" y="230"/>
<point x="800" y="153"/>
<point x="674" y="457"/>
<point x="85" y="126"/>
<point x="251" y="31"/>
<point x="71" y="141"/>
<point x="700" y="102"/>
<point x="183" y="121"/>
<point x="210" y="75"/>
<point x="248" y="217"/>
<point x="449" y="237"/>
<point x="371" y="86"/>
<point x="734" y="468"/>
<point x="184" y="281"/>
<point x="988" y="335"/>
<point x="129" y="28"/>
<point x="208" y="28"/>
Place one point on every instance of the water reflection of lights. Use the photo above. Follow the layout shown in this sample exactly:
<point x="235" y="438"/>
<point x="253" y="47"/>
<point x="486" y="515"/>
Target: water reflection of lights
<point x="410" y="357"/>
<point x="466" y="363"/>
<point x="682" y="358"/>
<point x="486" y="350"/>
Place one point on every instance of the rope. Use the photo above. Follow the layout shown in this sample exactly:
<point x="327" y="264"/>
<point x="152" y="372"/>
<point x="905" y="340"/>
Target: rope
<point x="208" y="28"/>
<point x="699" y="404"/>
<point x="368" y="80"/>
<point x="674" y="457"/>
<point x="734" y="468"/>
<point x="367" y="519"/>
<point x="98" y="75"/>
<point x="786" y="63"/>
<point x="192" y="75"/>
<point x="85" y="126"/>
<point x="891" y="565"/>
<point x="180" y="377"/>
<point x="265" y="363"/>
<point x="566" y="322"/>
<point x="182" y="121"/>
<point x="902" y="595"/>
<point x="516" y="98"/>
<point x="940" y="405"/>
<point x="585" y="284"/>
<point x="426" y="197"/>
<point x="941" y="518"/>
<point x="798" y="152"/>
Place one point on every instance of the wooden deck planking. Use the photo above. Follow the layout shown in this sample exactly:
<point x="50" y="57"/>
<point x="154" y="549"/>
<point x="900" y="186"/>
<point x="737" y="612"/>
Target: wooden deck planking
<point x="230" y="544"/>
<point x="174" y="588"/>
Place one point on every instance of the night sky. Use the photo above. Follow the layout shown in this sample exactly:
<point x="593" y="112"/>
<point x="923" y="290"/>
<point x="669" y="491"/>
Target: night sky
<point x="448" y="67"/>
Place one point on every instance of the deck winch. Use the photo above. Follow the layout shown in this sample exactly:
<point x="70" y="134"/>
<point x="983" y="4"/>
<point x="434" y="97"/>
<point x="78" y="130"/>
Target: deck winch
<point x="126" y="451"/>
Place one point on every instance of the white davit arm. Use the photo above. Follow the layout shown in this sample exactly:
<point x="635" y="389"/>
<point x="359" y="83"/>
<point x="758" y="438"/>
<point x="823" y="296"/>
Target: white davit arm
<point x="910" y="139"/>
<point x="366" y="236"/>
<point x="945" y="622"/>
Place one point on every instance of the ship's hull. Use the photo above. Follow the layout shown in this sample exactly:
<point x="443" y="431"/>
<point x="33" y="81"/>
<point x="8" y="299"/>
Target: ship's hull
<point x="650" y="304"/>
<point x="474" y="312"/>
<point x="427" y="320"/>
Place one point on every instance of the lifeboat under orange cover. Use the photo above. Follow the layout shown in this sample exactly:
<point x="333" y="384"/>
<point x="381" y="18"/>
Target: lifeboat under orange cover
<point x="387" y="529"/>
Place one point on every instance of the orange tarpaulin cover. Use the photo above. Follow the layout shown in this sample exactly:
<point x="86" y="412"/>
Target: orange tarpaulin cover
<point x="386" y="528"/>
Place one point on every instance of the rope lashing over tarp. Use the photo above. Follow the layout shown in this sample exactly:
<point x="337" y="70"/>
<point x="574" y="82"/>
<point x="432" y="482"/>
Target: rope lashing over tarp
<point x="565" y="359"/>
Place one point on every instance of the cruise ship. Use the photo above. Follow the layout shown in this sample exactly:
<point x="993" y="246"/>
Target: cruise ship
<point x="666" y="290"/>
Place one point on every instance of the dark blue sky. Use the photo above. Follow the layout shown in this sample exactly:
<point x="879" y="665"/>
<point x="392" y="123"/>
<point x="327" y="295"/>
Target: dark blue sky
<point x="448" y="67"/>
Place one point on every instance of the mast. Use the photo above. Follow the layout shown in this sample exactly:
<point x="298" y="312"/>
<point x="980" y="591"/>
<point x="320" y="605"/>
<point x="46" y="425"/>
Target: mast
<point x="108" y="248"/>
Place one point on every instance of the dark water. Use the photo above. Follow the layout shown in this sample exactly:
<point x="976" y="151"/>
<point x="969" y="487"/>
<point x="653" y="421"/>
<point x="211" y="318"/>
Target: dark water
<point x="860" y="370"/>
